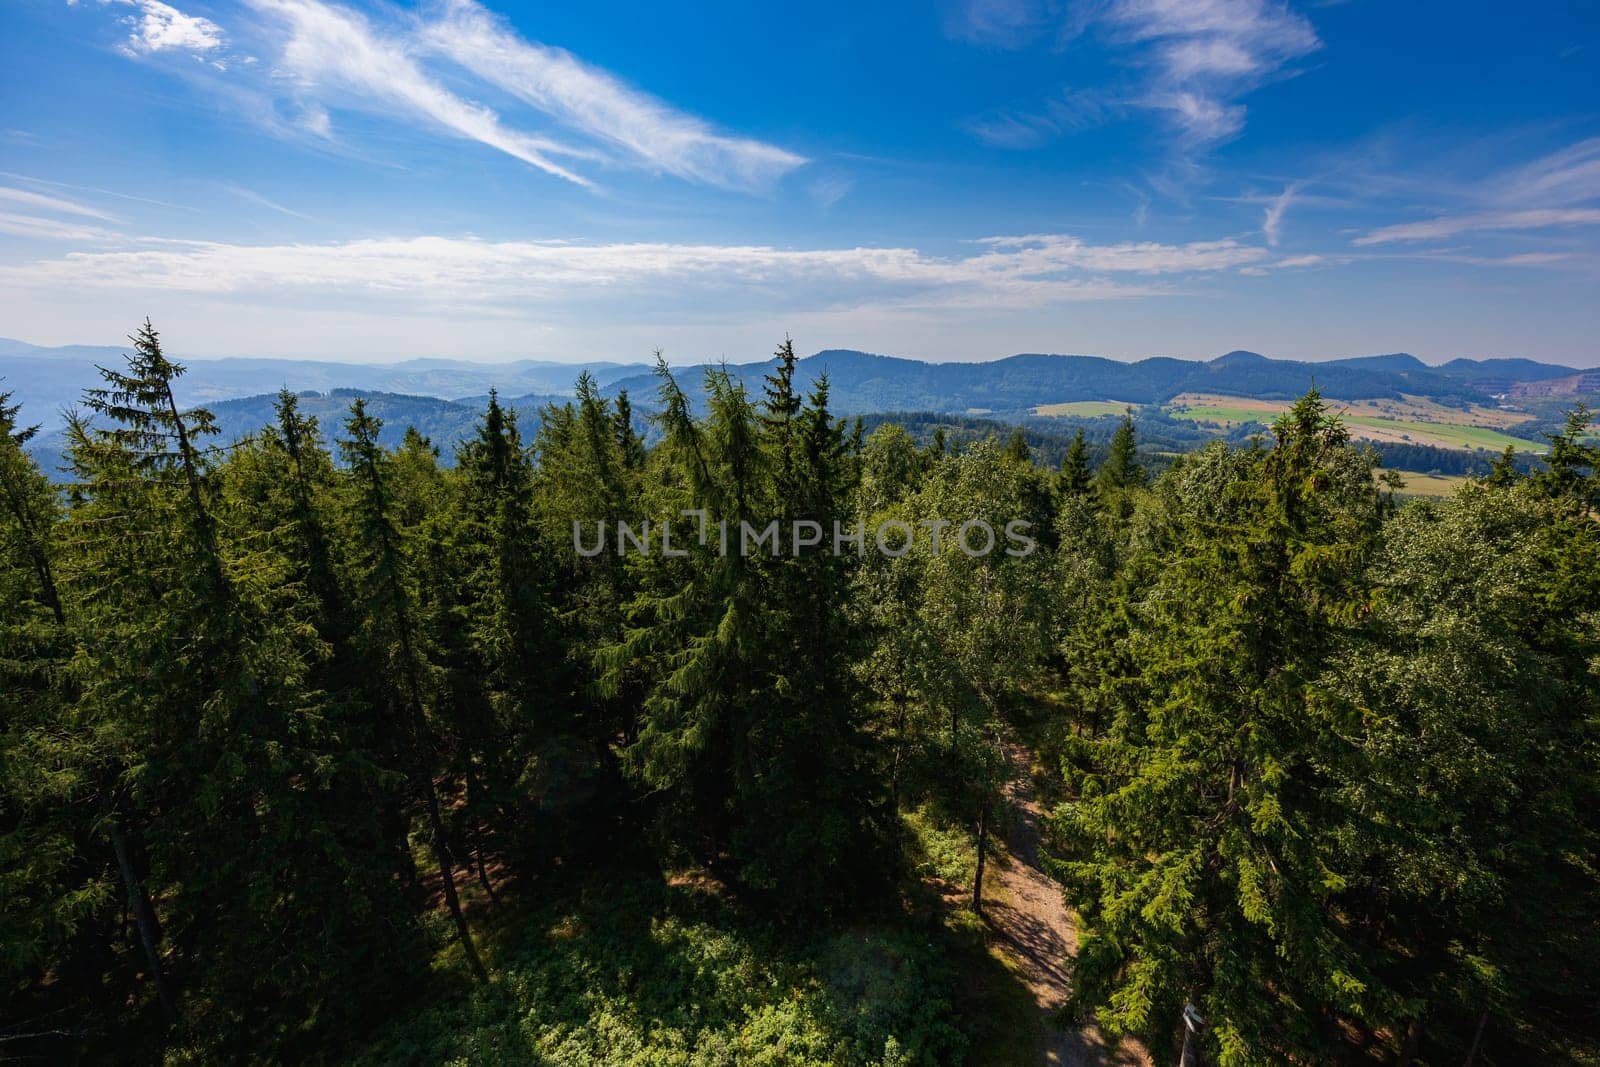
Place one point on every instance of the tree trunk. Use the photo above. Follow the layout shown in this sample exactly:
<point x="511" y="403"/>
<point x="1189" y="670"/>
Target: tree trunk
<point x="142" y="918"/>
<point x="483" y="873"/>
<point x="1477" y="1037"/>
<point x="1408" y="1051"/>
<point x="447" y="881"/>
<point x="983" y="841"/>
<point x="1189" y="1055"/>
<point x="899" y="748"/>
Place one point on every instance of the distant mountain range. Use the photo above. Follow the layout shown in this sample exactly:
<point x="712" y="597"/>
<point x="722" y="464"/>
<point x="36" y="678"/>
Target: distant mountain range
<point x="443" y="398"/>
<point x="45" y="380"/>
<point x="862" y="383"/>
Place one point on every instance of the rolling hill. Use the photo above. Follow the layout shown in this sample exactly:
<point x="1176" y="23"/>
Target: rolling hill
<point x="1395" y="398"/>
<point x="46" y="380"/>
<point x="862" y="382"/>
<point x="445" y="422"/>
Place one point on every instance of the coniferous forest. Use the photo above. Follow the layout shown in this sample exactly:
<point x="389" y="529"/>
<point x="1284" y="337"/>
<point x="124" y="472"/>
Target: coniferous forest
<point x="317" y="750"/>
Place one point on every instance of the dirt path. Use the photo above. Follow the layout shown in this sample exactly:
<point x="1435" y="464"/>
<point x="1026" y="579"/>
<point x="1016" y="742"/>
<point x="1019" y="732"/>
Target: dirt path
<point x="1036" y="932"/>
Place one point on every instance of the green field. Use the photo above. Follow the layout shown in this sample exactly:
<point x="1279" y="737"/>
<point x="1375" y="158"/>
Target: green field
<point x="1428" y="485"/>
<point x="1446" y="435"/>
<point x="1083" y="408"/>
<point x="1215" y="413"/>
<point x="1461" y="436"/>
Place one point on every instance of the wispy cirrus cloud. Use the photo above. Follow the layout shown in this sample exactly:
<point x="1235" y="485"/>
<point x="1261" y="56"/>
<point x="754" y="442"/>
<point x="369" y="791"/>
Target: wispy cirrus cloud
<point x="591" y="101"/>
<point x="1277" y="208"/>
<point x="1023" y="128"/>
<point x="1560" y="189"/>
<point x="1003" y="23"/>
<point x="1568" y="176"/>
<point x="1203" y="55"/>
<point x="1451" y="225"/>
<point x="333" y="52"/>
<point x="39" y="227"/>
<point x="60" y="205"/>
<point x="32" y="218"/>
<point x="1196" y="58"/>
<point x="1023" y="271"/>
<point x="408" y="65"/>
<point x="253" y="197"/>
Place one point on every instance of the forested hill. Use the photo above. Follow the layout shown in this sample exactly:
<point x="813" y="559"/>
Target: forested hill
<point x="444" y="422"/>
<point x="862" y="383"/>
<point x="46" y="380"/>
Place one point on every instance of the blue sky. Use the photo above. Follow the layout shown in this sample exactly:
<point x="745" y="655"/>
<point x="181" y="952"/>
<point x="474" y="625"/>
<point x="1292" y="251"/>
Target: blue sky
<point x="959" y="181"/>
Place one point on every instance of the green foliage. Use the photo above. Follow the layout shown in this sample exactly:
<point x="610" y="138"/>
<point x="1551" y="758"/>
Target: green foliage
<point x="940" y="849"/>
<point x="1328" y="770"/>
<point x="1121" y="468"/>
<point x="749" y="719"/>
<point x="632" y="972"/>
<point x="1318" y="782"/>
<point x="1075" y="468"/>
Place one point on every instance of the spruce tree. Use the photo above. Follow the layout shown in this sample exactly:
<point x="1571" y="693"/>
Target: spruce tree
<point x="392" y="636"/>
<point x="1194" y="852"/>
<point x="519" y="684"/>
<point x="1017" y="450"/>
<point x="1121" y="469"/>
<point x="1471" y="829"/>
<point x="1075" y="467"/>
<point x="211" y="754"/>
<point x="1503" y="469"/>
<point x="59" y="901"/>
<point x="629" y="443"/>
<point x="749" y="719"/>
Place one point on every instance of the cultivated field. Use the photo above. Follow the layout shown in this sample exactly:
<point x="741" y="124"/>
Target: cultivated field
<point x="1407" y="409"/>
<point x="1428" y="485"/>
<point x="1084" y="409"/>
<point x="1412" y="420"/>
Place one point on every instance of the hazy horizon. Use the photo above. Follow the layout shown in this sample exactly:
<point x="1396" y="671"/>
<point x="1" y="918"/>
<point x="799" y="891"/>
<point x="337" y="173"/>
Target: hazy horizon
<point x="648" y="360"/>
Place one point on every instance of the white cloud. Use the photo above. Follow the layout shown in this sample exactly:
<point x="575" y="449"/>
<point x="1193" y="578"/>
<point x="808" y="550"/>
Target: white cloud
<point x="1058" y="252"/>
<point x="1277" y="207"/>
<point x="1451" y="225"/>
<point x="1560" y="189"/>
<point x="60" y="205"/>
<point x="1204" y="54"/>
<point x="828" y="191"/>
<point x="1025" y="271"/>
<point x="1198" y="57"/>
<point x="1203" y="119"/>
<point x="52" y="229"/>
<point x="1569" y="176"/>
<point x="161" y="27"/>
<point x="1532" y="259"/>
<point x="999" y="23"/>
<point x="595" y="103"/>
<point x="316" y="119"/>
<point x="271" y="205"/>
<point x="1029" y="128"/>
<point x="334" y="50"/>
<point x="408" y="66"/>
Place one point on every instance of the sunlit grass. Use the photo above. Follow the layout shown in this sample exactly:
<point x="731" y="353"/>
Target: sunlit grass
<point x="1082" y="408"/>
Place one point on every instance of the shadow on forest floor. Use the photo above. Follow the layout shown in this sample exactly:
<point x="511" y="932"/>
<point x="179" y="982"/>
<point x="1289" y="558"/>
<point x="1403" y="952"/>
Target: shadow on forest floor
<point x="644" y="967"/>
